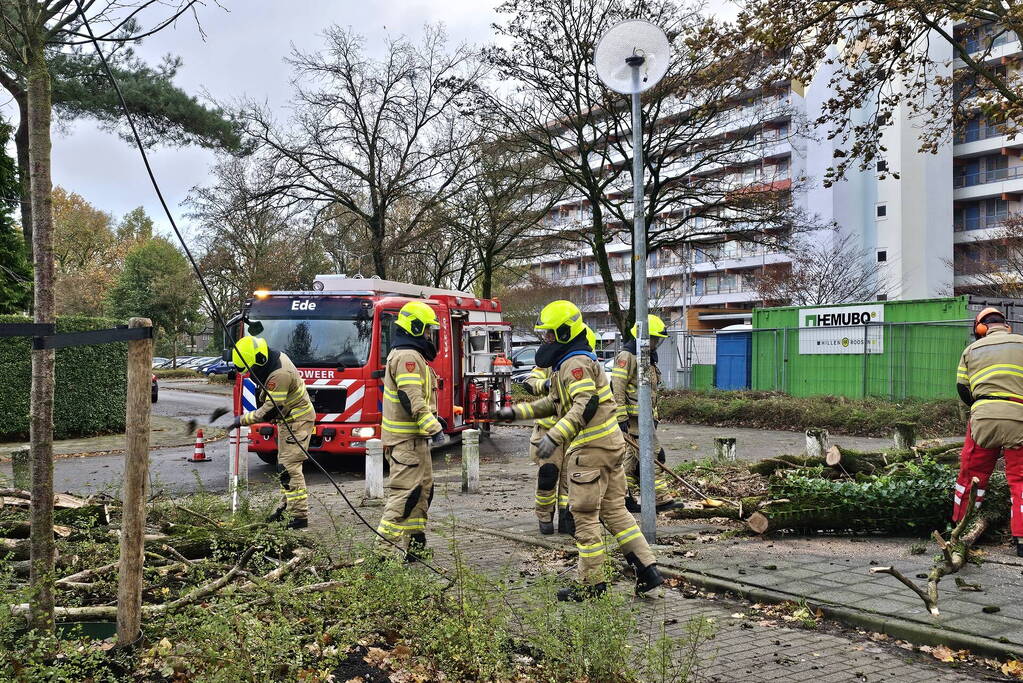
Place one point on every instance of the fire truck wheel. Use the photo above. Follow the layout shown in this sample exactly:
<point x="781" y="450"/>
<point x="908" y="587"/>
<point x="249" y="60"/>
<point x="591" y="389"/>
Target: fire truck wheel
<point x="267" y="458"/>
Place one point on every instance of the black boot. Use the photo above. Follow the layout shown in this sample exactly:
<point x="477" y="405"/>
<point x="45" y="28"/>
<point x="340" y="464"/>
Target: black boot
<point x="416" y="547"/>
<point x="547" y="528"/>
<point x="566" y="522"/>
<point x="648" y="578"/>
<point x="578" y="592"/>
<point x="277" y="514"/>
<point x="668" y="505"/>
<point x="1019" y="547"/>
<point x="631" y="505"/>
<point x="297" y="523"/>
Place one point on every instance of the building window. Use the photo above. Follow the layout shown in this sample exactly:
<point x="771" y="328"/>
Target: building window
<point x="882" y="297"/>
<point x="882" y="210"/>
<point x="882" y="255"/>
<point x="882" y="166"/>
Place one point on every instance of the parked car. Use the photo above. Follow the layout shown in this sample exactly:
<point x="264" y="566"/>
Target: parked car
<point x="158" y="362"/>
<point x="156" y="389"/>
<point x="524" y="357"/>
<point x="197" y="362"/>
<point x="221" y="367"/>
<point x="178" y="362"/>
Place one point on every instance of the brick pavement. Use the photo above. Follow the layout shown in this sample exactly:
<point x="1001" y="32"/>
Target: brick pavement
<point x="746" y="647"/>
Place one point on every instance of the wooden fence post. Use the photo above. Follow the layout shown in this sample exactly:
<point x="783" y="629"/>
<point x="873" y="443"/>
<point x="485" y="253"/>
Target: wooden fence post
<point x="136" y="477"/>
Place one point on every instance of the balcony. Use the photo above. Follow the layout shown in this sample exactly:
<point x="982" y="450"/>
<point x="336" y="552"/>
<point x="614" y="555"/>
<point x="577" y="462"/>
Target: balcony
<point x="991" y="183"/>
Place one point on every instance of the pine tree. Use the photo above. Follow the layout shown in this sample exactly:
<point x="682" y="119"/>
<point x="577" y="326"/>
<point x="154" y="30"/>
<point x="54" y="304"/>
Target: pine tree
<point x="15" y="271"/>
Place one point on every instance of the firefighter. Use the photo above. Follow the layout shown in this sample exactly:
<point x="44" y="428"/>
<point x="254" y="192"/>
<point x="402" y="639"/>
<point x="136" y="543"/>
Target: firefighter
<point x="409" y="422"/>
<point x="990" y="381"/>
<point x="588" y="432"/>
<point x="287" y="403"/>
<point x="551" y="476"/>
<point x="625" y="385"/>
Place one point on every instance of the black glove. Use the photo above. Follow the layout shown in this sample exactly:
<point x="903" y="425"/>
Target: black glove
<point x="547" y="385"/>
<point x="662" y="457"/>
<point x="443" y="423"/>
<point x="506" y="414"/>
<point x="235" y="423"/>
<point x="546" y="447"/>
<point x="624" y="426"/>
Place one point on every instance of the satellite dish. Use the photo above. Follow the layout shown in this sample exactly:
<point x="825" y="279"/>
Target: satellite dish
<point x="632" y="43"/>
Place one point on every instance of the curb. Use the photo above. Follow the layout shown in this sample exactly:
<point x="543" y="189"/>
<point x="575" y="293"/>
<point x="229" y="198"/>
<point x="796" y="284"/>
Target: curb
<point x="902" y="629"/>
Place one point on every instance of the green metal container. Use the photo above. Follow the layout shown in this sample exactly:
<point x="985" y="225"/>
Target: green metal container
<point x="702" y="377"/>
<point x="906" y="349"/>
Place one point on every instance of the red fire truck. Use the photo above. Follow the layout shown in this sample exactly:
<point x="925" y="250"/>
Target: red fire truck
<point x="338" y="335"/>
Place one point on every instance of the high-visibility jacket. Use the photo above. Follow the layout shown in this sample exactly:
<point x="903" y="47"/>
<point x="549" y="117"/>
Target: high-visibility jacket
<point x="990" y="376"/>
<point x="287" y="389"/>
<point x="625" y="385"/>
<point x="580" y="396"/>
<point x="410" y="398"/>
<point x="536" y="381"/>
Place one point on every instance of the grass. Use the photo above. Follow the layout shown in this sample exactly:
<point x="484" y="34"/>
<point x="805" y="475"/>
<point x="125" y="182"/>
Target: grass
<point x="767" y="410"/>
<point x="380" y="617"/>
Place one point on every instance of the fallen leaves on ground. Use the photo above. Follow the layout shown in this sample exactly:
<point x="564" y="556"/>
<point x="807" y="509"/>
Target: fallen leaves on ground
<point x="1013" y="668"/>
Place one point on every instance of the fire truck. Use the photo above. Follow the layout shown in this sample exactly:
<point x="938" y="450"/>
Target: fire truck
<point x="338" y="335"/>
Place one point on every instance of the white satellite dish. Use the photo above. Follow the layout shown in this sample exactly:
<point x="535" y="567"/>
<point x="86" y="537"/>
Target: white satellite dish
<point x="622" y="47"/>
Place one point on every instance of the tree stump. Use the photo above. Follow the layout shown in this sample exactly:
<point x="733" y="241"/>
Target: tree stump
<point x="816" y="442"/>
<point x="904" y="434"/>
<point x="724" y="449"/>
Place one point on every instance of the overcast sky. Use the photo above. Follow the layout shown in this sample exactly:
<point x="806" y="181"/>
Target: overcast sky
<point x="241" y="56"/>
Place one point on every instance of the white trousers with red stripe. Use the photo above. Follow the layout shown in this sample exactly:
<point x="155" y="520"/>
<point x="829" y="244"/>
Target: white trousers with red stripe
<point x="979" y="462"/>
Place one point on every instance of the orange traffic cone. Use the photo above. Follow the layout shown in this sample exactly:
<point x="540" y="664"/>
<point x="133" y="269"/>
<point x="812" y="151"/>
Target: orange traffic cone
<point x="200" y="449"/>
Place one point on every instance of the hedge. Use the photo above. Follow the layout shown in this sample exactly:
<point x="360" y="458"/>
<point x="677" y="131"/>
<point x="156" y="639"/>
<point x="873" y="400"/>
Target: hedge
<point x="839" y="415"/>
<point x="90" y="390"/>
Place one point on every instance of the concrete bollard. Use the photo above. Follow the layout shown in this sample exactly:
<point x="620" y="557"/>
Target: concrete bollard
<point x="816" y="442"/>
<point x="724" y="448"/>
<point x="374" y="469"/>
<point x="904" y="435"/>
<point x="22" y="469"/>
<point x="470" y="461"/>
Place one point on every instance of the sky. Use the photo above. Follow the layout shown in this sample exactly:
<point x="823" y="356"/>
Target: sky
<point x="239" y="55"/>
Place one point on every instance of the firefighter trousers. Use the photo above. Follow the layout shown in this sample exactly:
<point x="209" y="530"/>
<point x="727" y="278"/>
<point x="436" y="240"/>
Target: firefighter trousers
<point x="292" y="446"/>
<point x="551" y="483"/>
<point x="409" y="492"/>
<point x="596" y="496"/>
<point x="978" y="461"/>
<point x="661" y="491"/>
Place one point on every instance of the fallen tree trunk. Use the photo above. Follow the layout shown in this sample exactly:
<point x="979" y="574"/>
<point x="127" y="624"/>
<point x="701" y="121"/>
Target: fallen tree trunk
<point x="848" y="461"/>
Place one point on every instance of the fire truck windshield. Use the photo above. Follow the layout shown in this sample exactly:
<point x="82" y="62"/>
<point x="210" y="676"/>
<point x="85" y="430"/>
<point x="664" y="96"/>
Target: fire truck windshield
<point x="316" y="332"/>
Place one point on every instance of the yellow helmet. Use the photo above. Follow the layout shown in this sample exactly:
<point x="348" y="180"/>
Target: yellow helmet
<point x="655" y="327"/>
<point x="591" y="338"/>
<point x="250" y="351"/>
<point x="415" y="316"/>
<point x="562" y="318"/>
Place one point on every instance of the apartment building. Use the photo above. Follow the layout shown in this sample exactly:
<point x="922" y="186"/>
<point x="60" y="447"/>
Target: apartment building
<point x="920" y="226"/>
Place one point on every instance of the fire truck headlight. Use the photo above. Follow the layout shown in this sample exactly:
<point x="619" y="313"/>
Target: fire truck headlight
<point x="364" y="432"/>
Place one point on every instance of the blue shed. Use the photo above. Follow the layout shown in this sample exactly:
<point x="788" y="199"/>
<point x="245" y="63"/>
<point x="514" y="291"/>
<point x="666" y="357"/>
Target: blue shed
<point x="734" y="357"/>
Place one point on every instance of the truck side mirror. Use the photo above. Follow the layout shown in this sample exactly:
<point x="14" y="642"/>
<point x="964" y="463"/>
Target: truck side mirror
<point x="255" y="328"/>
<point x="377" y="374"/>
<point x="225" y="355"/>
<point x="518" y="363"/>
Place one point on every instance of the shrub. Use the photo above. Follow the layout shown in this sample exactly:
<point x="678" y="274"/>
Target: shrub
<point x="178" y="373"/>
<point x="90" y="383"/>
<point x="766" y="410"/>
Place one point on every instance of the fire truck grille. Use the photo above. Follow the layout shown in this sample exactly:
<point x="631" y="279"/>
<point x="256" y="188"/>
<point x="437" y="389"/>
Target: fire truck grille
<point x="329" y="400"/>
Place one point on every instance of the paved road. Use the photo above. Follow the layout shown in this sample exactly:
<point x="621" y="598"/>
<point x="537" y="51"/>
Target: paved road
<point x="171" y="471"/>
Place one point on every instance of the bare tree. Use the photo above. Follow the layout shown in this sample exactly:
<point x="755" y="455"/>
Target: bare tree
<point x="250" y="241"/>
<point x="497" y="213"/>
<point x="822" y="272"/>
<point x="707" y="127"/>
<point x="521" y="304"/>
<point x="881" y="58"/>
<point x="369" y="136"/>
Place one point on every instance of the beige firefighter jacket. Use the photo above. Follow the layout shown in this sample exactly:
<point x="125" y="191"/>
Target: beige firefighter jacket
<point x="410" y="398"/>
<point x="625" y="385"/>
<point x="287" y="389"/>
<point x="580" y="397"/>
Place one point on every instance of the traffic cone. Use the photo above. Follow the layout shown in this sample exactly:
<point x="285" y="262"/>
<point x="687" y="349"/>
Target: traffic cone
<point x="200" y="449"/>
